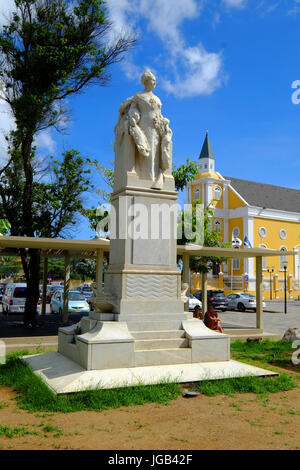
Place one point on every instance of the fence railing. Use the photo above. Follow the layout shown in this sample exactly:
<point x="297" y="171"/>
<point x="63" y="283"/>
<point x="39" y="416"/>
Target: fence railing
<point x="234" y="282"/>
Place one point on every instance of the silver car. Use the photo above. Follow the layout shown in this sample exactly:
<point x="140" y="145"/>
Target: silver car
<point x="193" y="302"/>
<point x="242" y="301"/>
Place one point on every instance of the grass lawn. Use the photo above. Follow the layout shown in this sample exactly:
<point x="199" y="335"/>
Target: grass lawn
<point x="34" y="395"/>
<point x="265" y="353"/>
<point x="244" y="413"/>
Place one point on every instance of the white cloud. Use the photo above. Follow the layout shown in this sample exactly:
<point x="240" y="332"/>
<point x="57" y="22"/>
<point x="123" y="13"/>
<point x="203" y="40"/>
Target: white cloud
<point x="45" y="141"/>
<point x="6" y="7"/>
<point x="202" y="76"/>
<point x="235" y="3"/>
<point x="192" y="70"/>
<point x="264" y="7"/>
<point x="6" y="125"/>
<point x="295" y="10"/>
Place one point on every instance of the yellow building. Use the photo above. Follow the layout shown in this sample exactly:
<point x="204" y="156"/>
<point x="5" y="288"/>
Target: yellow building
<point x="269" y="216"/>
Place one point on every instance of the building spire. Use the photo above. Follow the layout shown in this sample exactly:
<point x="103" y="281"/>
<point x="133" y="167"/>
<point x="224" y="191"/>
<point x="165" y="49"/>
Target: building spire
<point x="206" y="158"/>
<point x="206" y="151"/>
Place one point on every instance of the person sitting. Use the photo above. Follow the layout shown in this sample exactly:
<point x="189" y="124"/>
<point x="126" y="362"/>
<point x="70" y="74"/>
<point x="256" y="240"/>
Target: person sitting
<point x="212" y="320"/>
<point x="198" y="312"/>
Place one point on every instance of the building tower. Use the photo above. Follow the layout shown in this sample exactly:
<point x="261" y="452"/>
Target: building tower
<point x="207" y="159"/>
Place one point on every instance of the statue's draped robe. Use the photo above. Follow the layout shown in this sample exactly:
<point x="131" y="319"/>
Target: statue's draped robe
<point x="150" y="145"/>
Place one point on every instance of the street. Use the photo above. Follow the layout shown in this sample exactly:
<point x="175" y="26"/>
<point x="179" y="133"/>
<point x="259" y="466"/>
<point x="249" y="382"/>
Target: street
<point x="275" y="321"/>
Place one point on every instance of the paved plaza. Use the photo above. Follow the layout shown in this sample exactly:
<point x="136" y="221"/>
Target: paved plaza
<point x="275" y="320"/>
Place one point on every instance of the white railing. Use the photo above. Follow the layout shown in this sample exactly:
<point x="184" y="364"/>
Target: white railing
<point x="234" y="282"/>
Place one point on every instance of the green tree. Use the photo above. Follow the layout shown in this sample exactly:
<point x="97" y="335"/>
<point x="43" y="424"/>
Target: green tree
<point x="56" y="268"/>
<point x="4" y="227"/>
<point x="184" y="173"/>
<point x="10" y="265"/>
<point x="96" y="214"/>
<point x="49" y="51"/>
<point x="85" y="268"/>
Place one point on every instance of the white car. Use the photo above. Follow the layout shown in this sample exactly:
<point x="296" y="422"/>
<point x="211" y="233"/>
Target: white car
<point x="193" y="302"/>
<point x="242" y="301"/>
<point x="14" y="298"/>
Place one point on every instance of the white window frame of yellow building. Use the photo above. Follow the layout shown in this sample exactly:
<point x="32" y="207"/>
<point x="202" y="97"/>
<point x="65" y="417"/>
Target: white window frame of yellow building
<point x="236" y="264"/>
<point x="218" y="225"/>
<point x="217" y="193"/>
<point x="262" y="230"/>
<point x="283" y="258"/>
<point x="264" y="259"/>
<point x="283" y="237"/>
<point x="297" y="263"/>
<point x="238" y="232"/>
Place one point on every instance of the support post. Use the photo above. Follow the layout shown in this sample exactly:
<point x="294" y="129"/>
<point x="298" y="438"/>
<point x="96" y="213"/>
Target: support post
<point x="186" y="275"/>
<point x="204" y="292"/>
<point x="221" y="280"/>
<point x="99" y="271"/>
<point x="45" y="274"/>
<point x="186" y="268"/>
<point x="259" y="293"/>
<point x="285" y="299"/>
<point x="65" y="313"/>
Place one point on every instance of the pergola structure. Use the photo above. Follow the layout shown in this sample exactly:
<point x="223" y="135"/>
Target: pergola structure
<point x="258" y="253"/>
<point x="67" y="249"/>
<point x="58" y="248"/>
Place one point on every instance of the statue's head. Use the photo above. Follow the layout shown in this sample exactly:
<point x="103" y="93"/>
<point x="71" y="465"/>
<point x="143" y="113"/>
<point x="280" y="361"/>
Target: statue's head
<point x="148" y="80"/>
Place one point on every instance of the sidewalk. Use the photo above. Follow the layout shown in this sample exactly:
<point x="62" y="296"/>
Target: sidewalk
<point x="32" y="344"/>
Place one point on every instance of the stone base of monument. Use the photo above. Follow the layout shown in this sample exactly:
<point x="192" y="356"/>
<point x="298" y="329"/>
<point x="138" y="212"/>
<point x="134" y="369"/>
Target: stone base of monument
<point x="62" y="375"/>
<point x="154" y="340"/>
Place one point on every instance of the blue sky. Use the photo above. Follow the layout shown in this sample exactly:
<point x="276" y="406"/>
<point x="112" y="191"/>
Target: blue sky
<point x="222" y="65"/>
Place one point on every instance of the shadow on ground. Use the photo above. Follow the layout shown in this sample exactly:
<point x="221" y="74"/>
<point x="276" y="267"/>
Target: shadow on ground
<point x="12" y="325"/>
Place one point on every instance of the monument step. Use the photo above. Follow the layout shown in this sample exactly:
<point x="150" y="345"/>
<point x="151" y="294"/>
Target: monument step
<point x="154" y="317"/>
<point x="144" y="325"/>
<point x="159" y="357"/>
<point x="158" y="334"/>
<point x="166" y="343"/>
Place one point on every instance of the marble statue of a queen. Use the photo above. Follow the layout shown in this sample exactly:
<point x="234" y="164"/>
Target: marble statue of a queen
<point x="148" y="152"/>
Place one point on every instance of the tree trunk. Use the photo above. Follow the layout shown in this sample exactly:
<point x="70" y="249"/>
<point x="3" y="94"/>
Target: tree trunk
<point x="32" y="274"/>
<point x="27" y="193"/>
<point x="32" y="267"/>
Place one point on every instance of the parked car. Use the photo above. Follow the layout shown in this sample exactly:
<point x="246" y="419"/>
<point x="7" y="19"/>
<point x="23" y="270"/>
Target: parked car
<point x="85" y="290"/>
<point x="2" y="290"/>
<point x="88" y="293"/>
<point x="57" y="283"/>
<point x="193" y="302"/>
<point x="14" y="298"/>
<point x="242" y="301"/>
<point x="215" y="297"/>
<point x="51" y="289"/>
<point x="77" y="302"/>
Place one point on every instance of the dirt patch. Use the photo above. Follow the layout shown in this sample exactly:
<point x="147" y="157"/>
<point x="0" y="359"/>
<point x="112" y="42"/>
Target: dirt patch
<point x="244" y="421"/>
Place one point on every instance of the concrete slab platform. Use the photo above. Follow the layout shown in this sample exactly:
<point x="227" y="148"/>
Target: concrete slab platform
<point x="62" y="375"/>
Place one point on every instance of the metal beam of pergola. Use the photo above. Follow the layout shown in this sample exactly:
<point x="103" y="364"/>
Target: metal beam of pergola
<point x="69" y="248"/>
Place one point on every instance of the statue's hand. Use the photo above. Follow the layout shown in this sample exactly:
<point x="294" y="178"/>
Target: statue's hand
<point x="143" y="150"/>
